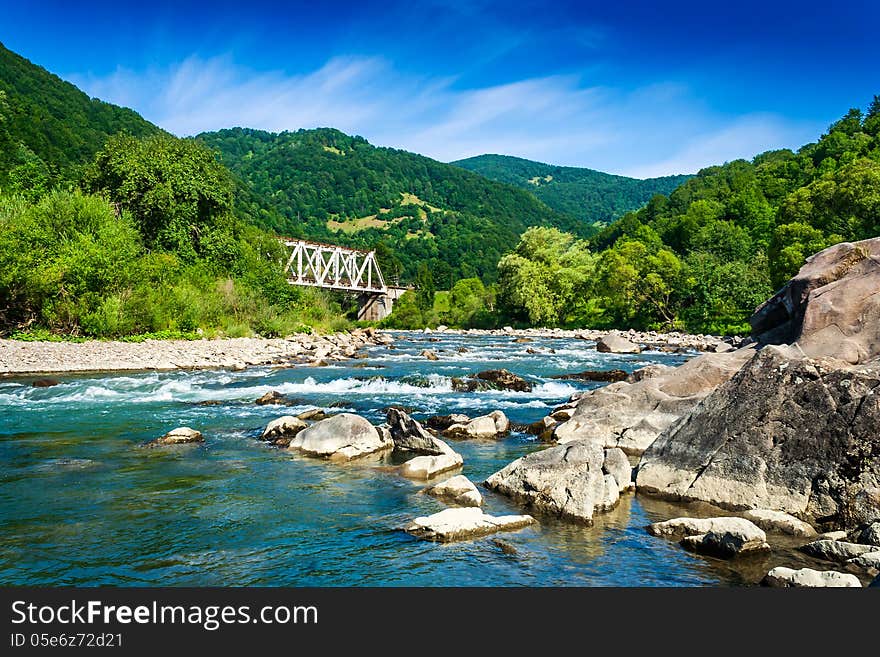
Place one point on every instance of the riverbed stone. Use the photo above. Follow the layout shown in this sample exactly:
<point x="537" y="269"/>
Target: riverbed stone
<point x="491" y="380"/>
<point x="678" y="527"/>
<point x="566" y="481"/>
<point x="486" y="426"/>
<point x="728" y="543"/>
<point x="837" y="551"/>
<point x="283" y="429"/>
<point x="340" y="438"/>
<point x="428" y="467"/>
<point x="271" y="397"/>
<point x="782" y="577"/>
<point x="458" y="524"/>
<point x="778" y="521"/>
<point x="459" y="490"/>
<point x="616" y="344"/>
<point x="178" y="436"/>
<point x="410" y="436"/>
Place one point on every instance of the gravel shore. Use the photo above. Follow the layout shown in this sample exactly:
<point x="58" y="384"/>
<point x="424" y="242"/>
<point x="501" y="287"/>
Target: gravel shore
<point x="17" y="357"/>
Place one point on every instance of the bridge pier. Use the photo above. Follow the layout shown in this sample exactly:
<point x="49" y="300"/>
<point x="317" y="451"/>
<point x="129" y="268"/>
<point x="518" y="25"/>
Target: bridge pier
<point x="374" y="307"/>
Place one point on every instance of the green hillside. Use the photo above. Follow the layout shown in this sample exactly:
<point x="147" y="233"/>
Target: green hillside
<point x="592" y="196"/>
<point x="325" y="185"/>
<point x="49" y="128"/>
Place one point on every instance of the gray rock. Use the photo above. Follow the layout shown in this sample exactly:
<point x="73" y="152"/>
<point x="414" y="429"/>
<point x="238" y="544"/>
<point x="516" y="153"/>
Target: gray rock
<point x="778" y="521"/>
<point x="616" y="344"/>
<point x="617" y="464"/>
<point x="837" y="551"/>
<point x="409" y="436"/>
<point x="781" y="577"/>
<point x="678" y="527"/>
<point x="427" y="467"/>
<point x="632" y="415"/>
<point x="178" y="436"/>
<point x="285" y="426"/>
<point x="870" y="561"/>
<point x="463" y="523"/>
<point x="870" y="535"/>
<point x="566" y="481"/>
<point x="459" y="490"/>
<point x="727" y="544"/>
<point x="486" y="426"/>
<point x="340" y="438"/>
<point x="786" y="433"/>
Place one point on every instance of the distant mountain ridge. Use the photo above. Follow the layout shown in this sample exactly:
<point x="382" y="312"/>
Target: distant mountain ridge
<point x="589" y="195"/>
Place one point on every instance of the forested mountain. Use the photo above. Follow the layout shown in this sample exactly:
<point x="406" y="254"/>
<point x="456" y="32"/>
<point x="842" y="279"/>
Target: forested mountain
<point x="325" y="185"/>
<point x="49" y="128"/>
<point x="706" y="255"/>
<point x="589" y="195"/>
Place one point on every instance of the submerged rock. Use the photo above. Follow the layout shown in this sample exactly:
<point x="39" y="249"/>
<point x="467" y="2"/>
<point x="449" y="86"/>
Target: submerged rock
<point x="45" y="383"/>
<point x="340" y="438"/>
<point x="782" y="577"/>
<point x="491" y="380"/>
<point x="567" y="481"/>
<point x="458" y="489"/>
<point x="607" y="376"/>
<point x="178" y="436"/>
<point x="463" y="523"/>
<point x="616" y="344"/>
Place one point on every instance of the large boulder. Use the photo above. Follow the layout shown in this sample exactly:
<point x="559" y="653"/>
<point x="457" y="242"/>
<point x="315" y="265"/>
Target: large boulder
<point x="831" y="307"/>
<point x="492" y="380"/>
<point x="808" y="578"/>
<point x="458" y="490"/>
<point x="787" y="433"/>
<point x="340" y="438"/>
<point x="486" y="426"/>
<point x="409" y="436"/>
<point x="463" y="523"/>
<point x="567" y="481"/>
<point x="616" y="344"/>
<point x="631" y="415"/>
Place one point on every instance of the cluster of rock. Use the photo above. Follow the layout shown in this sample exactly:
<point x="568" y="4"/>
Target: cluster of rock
<point x="232" y="353"/>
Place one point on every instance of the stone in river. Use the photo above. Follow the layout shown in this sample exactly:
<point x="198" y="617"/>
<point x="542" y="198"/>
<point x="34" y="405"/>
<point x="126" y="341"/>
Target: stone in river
<point x="271" y="397"/>
<point x="178" y="436"/>
<point x="809" y="578"/>
<point x="459" y="490"/>
<point x="778" y="521"/>
<point x="427" y="467"/>
<point x="429" y="354"/>
<point x="727" y="544"/>
<point x="837" y="551"/>
<point x="340" y="438"/>
<point x="462" y="524"/>
<point x="491" y="380"/>
<point x="486" y="426"/>
<point x="281" y="430"/>
<point x="443" y="422"/>
<point x="408" y="435"/>
<point x="607" y="376"/>
<point x="45" y="383"/>
<point x="616" y="344"/>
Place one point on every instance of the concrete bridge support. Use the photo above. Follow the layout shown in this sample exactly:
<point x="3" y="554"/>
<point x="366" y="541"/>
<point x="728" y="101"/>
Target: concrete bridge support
<point x="374" y="307"/>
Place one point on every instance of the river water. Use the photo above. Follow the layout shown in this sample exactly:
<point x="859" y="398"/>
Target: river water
<point x="81" y="503"/>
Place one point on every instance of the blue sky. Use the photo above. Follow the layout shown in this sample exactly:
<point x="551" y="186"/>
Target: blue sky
<point x="638" y="88"/>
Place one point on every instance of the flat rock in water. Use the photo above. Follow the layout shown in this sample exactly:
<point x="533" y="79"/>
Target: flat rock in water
<point x="837" y="551"/>
<point x="678" y="527"/>
<point x="728" y="543"/>
<point x="781" y="577"/>
<point x="777" y="521"/>
<point x="426" y="467"/>
<point x="340" y="438"/>
<point x="458" y="489"/>
<point x="178" y="436"/>
<point x="616" y="344"/>
<point x="463" y="523"/>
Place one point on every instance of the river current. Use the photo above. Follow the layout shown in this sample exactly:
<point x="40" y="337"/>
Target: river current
<point x="82" y="503"/>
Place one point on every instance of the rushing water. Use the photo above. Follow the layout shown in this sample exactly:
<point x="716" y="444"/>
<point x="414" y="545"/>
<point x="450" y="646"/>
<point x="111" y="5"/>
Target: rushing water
<point x="81" y="503"/>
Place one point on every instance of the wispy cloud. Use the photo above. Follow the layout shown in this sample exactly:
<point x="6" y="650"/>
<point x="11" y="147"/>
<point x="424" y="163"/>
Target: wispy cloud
<point x="653" y="130"/>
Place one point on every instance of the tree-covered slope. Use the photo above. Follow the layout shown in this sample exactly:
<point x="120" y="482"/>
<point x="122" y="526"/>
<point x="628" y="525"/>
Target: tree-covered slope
<point x="589" y="195"/>
<point x="325" y="185"/>
<point x="48" y="127"/>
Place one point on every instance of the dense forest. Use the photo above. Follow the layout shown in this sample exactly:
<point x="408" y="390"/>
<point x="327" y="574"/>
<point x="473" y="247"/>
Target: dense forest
<point x="328" y="186"/>
<point x="49" y="128"/>
<point x="705" y="256"/>
<point x="594" y="197"/>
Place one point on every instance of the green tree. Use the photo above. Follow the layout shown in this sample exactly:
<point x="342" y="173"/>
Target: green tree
<point x="424" y="288"/>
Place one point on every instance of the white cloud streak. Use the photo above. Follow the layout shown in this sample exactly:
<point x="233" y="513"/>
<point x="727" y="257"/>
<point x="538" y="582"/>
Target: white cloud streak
<point x="654" y="130"/>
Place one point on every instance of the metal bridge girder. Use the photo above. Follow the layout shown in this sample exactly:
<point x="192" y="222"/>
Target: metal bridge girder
<point x="333" y="268"/>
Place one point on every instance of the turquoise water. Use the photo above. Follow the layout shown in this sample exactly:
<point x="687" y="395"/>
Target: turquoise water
<point x="82" y="504"/>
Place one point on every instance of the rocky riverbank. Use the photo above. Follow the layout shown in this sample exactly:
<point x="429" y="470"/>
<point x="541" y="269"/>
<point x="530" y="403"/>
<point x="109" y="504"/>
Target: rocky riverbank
<point x="17" y="357"/>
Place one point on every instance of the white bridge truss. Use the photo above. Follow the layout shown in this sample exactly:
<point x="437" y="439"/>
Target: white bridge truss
<point x="333" y="268"/>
